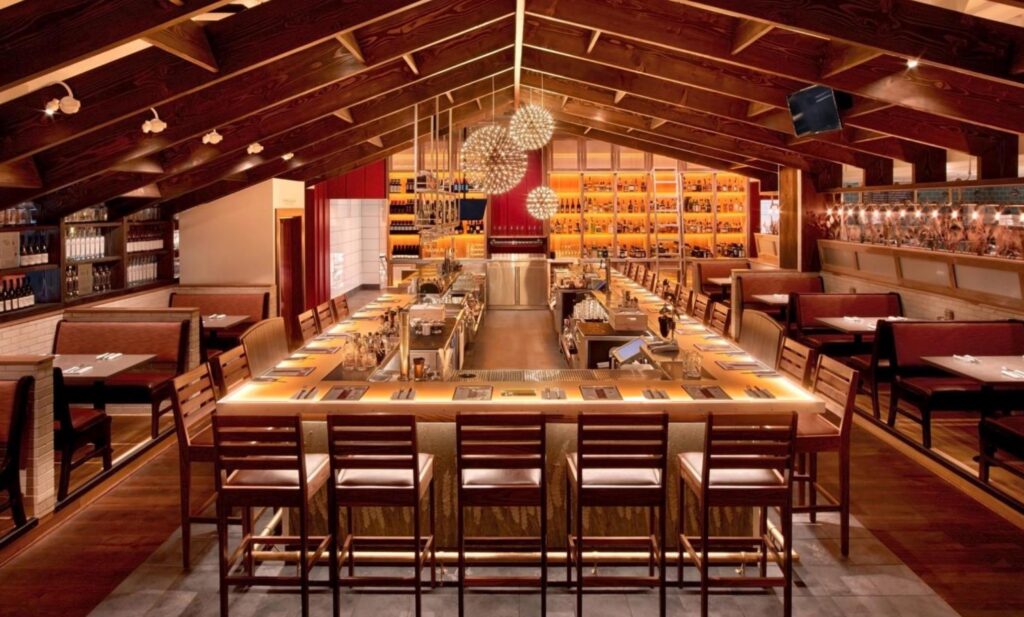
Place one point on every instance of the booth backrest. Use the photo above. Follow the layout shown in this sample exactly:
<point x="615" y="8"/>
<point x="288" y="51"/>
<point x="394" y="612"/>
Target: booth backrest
<point x="15" y="414"/>
<point x="265" y="344"/>
<point x="255" y="305"/>
<point x="746" y="285"/>
<point x="703" y="269"/>
<point x="913" y="339"/>
<point x="167" y="340"/>
<point x="761" y="337"/>
<point x="806" y="308"/>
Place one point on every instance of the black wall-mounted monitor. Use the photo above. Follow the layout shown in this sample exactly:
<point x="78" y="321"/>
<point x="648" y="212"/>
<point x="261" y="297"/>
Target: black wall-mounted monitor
<point x="814" y="111"/>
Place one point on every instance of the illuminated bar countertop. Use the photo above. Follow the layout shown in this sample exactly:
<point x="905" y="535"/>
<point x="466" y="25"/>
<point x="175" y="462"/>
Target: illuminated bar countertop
<point x="524" y="390"/>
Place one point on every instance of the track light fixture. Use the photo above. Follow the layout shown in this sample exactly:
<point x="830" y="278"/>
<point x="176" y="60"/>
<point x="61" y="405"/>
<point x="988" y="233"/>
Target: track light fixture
<point x="155" y="124"/>
<point x="254" y="148"/>
<point x="67" y="104"/>
<point x="213" y="138"/>
<point x="912" y="63"/>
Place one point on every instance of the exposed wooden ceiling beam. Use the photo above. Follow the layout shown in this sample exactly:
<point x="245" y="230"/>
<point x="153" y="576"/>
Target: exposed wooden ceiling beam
<point x="187" y="40"/>
<point x="946" y="38"/>
<point x="20" y="174"/>
<point x="375" y="141"/>
<point x="411" y="63"/>
<point x="657" y="123"/>
<point x="43" y="36"/>
<point x="747" y="32"/>
<point x="594" y="36"/>
<point x="840" y="57"/>
<point x="288" y="129"/>
<point x="345" y="114"/>
<point x="755" y="109"/>
<point x="351" y="44"/>
<point x="251" y="39"/>
<point x="192" y="116"/>
<point x="448" y="95"/>
<point x="619" y="95"/>
<point x="671" y="25"/>
<point x="518" y="63"/>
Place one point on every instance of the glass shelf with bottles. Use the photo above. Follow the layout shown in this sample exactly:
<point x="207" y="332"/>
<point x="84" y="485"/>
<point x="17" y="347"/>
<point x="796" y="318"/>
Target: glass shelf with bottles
<point x="17" y="293"/>
<point x="89" y="244"/>
<point x="82" y="280"/>
<point x="142" y="270"/>
<point x="28" y="251"/>
<point x="146" y="238"/>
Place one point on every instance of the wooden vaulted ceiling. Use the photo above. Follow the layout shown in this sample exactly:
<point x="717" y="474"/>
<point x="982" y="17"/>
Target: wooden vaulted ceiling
<point x="336" y="83"/>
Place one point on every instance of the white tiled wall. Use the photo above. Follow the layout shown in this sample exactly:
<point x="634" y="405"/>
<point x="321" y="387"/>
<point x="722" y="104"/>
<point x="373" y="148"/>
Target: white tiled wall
<point x="356" y="243"/>
<point x="920" y="304"/>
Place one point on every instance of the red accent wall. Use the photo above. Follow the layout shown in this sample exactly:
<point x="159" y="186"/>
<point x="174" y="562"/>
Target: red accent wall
<point x="509" y="216"/>
<point x="368" y="182"/>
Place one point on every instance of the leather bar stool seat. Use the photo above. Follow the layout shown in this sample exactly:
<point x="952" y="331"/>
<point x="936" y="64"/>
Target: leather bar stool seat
<point x="613" y="477"/>
<point x="350" y="478"/>
<point x="500" y="477"/>
<point x="316" y="474"/>
<point x="940" y="385"/>
<point x="692" y="464"/>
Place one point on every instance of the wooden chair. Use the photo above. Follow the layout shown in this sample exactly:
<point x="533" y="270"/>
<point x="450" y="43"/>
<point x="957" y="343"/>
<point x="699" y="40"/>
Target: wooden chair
<point x="194" y="401"/>
<point x="874" y="368"/>
<point x="74" y="429"/>
<point x="747" y="462"/>
<point x="261" y="462"/>
<point x="795" y="360"/>
<point x="621" y="462"/>
<point x="649" y="277"/>
<point x="631" y="269"/>
<point x="308" y="327"/>
<point x="15" y="414"/>
<point x="339" y="306"/>
<point x="684" y="300"/>
<point x="375" y="462"/>
<point x="1005" y="434"/>
<point x="761" y="336"/>
<point x="500" y="462"/>
<point x="837" y="385"/>
<point x="265" y="344"/>
<point x="718" y="322"/>
<point x="230" y="369"/>
<point x="324" y="317"/>
<point x="701" y="306"/>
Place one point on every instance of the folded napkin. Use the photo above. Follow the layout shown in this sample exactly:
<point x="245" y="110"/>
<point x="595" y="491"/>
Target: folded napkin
<point x="966" y="358"/>
<point x="706" y="392"/>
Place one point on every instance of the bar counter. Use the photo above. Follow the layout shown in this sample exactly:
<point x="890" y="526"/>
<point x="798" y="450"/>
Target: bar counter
<point x="435" y="408"/>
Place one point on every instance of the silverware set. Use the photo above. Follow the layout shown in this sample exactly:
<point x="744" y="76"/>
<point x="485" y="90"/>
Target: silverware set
<point x="109" y="356"/>
<point x="655" y="394"/>
<point x="405" y="394"/>
<point x="759" y="392"/>
<point x="77" y="370"/>
<point x="1012" y="373"/>
<point x="553" y="394"/>
<point x="305" y="393"/>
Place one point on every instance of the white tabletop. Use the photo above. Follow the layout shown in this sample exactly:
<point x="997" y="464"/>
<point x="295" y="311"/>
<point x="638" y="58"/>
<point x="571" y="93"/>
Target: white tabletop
<point x="856" y="325"/>
<point x="774" y="299"/>
<point x="986" y="369"/>
<point x="222" y="322"/>
<point x="101" y="367"/>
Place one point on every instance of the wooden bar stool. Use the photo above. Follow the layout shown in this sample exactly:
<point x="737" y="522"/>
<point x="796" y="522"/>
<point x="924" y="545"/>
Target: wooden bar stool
<point x="500" y="463"/>
<point x="230" y="369"/>
<point x="261" y="463"/>
<point x="76" y="427"/>
<point x="339" y="306"/>
<point x="324" y="317"/>
<point x="747" y="462"/>
<point x="621" y="462"/>
<point x="375" y="463"/>
<point x="308" y="327"/>
<point x="15" y="414"/>
<point x="718" y="322"/>
<point x="795" y="360"/>
<point x="684" y="299"/>
<point x="837" y="385"/>
<point x="701" y="304"/>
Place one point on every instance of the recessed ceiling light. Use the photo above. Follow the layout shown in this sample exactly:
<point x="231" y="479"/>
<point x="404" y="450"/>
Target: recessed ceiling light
<point x="155" y="124"/>
<point x="288" y="156"/>
<point x="254" y="148"/>
<point x="912" y="63"/>
<point x="213" y="138"/>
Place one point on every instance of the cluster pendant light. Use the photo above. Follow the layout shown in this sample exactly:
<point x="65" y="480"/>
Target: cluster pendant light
<point x="542" y="203"/>
<point x="532" y="125"/>
<point x="492" y="161"/>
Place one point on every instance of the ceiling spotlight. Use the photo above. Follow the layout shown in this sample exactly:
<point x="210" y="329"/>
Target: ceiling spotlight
<point x="213" y="138"/>
<point x="912" y="63"/>
<point x="155" y="124"/>
<point x="67" y="104"/>
<point x="254" y="148"/>
<point x="288" y="156"/>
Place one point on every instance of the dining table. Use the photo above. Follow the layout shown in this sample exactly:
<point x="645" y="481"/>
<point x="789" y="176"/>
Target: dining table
<point x="97" y="369"/>
<point x="856" y="326"/>
<point x="989" y="371"/>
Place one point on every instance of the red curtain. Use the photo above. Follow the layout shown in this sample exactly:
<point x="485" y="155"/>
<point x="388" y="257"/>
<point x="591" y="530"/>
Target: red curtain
<point x="368" y="182"/>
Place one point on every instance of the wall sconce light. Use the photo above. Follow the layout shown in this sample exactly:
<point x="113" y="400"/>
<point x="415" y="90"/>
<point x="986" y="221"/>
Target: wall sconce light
<point x="67" y="104"/>
<point x="155" y="124"/>
<point x="213" y="138"/>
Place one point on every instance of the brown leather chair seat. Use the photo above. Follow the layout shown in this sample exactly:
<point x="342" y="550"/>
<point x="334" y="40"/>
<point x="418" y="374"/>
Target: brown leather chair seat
<point x="316" y="469"/>
<point x="815" y="434"/>
<point x="693" y="466"/>
<point x="862" y="362"/>
<point x="613" y="477"/>
<point x="501" y="477"/>
<point x="353" y="478"/>
<point x="938" y="385"/>
<point x="82" y="417"/>
<point x="143" y="380"/>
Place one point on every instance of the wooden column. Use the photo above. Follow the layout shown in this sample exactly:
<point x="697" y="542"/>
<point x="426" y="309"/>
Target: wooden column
<point x="802" y="213"/>
<point x="38" y="487"/>
<point x="789" y="217"/>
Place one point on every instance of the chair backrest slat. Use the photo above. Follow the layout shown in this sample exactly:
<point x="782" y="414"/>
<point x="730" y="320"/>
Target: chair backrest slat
<point x="307" y="325"/>
<point x="837" y="384"/>
<point x="701" y="303"/>
<point x="795" y="360"/>
<point x="373" y="441"/>
<point x="324" y="316"/>
<point x="339" y="306"/>
<point x="624" y="441"/>
<point x="762" y="441"/>
<point x="500" y="440"/>
<point x="230" y="369"/>
<point x="194" y="402"/>
<point x="719" y="320"/>
<point x="257" y="443"/>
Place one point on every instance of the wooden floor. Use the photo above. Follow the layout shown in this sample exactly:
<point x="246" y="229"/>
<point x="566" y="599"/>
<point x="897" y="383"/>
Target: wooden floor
<point x="973" y="558"/>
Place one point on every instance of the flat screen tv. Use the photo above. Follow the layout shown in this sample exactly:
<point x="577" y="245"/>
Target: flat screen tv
<point x="814" y="111"/>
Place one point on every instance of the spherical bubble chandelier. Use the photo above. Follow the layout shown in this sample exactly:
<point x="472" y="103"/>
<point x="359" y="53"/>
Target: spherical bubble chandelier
<point x="531" y="127"/>
<point x="542" y="203"/>
<point x="491" y="161"/>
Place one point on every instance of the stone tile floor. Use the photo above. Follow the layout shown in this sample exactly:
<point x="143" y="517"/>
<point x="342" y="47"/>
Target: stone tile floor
<point x="871" y="582"/>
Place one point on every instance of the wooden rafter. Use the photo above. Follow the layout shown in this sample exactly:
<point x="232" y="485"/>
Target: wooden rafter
<point x="594" y="36"/>
<point x="345" y="114"/>
<point x="351" y="44"/>
<point x="20" y="174"/>
<point x="747" y="32"/>
<point x="37" y="38"/>
<point x="188" y="41"/>
<point x="517" y="68"/>
<point x="411" y="63"/>
<point x="842" y="57"/>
